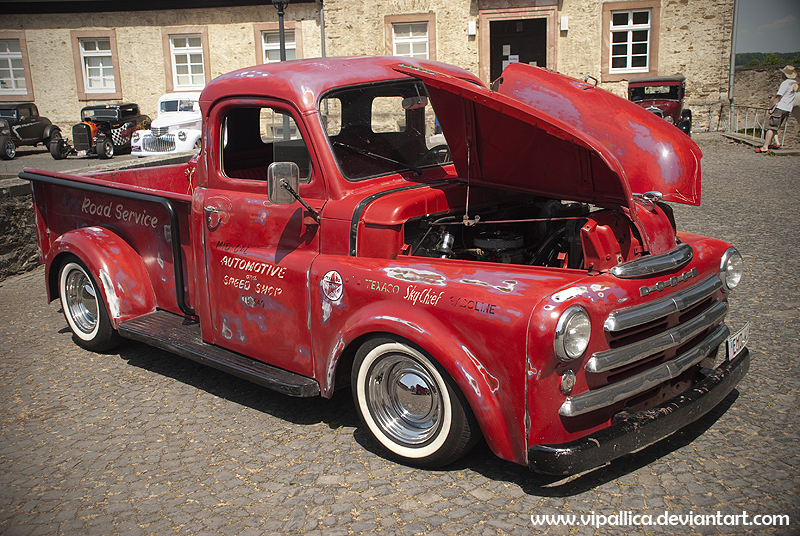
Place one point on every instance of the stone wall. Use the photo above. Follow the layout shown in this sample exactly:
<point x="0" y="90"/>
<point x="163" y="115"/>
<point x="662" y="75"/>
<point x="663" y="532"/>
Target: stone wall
<point x="18" y="250"/>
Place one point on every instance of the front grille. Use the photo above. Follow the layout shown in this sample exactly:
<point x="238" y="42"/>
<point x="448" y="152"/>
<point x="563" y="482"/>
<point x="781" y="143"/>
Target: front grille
<point x="652" y="346"/>
<point x="159" y="131"/>
<point x="158" y="145"/>
<point x="82" y="137"/>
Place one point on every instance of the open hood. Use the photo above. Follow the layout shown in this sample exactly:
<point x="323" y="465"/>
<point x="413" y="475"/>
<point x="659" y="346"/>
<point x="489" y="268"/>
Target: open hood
<point x="549" y="134"/>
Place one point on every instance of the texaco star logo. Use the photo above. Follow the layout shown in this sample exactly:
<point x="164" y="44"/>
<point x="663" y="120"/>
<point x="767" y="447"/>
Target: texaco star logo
<point x="332" y="285"/>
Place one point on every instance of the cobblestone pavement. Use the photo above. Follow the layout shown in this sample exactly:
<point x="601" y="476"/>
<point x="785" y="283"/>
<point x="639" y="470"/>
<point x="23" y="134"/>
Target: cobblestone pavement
<point x="144" y="442"/>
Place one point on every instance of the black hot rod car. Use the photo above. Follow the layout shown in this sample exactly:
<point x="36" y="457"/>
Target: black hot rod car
<point x="105" y="129"/>
<point x="21" y="124"/>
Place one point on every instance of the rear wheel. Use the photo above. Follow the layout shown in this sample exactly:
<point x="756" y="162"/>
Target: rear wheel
<point x="55" y="134"/>
<point x="84" y="309"/>
<point x="7" y="148"/>
<point x="105" y="148"/>
<point x="410" y="404"/>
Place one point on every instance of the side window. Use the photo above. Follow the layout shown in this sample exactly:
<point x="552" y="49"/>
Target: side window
<point x="255" y="137"/>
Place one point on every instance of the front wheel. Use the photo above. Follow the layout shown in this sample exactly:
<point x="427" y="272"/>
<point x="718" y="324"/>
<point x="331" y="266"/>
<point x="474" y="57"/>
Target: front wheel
<point x="84" y="309"/>
<point x="59" y="149"/>
<point x="410" y="404"/>
<point x="7" y="148"/>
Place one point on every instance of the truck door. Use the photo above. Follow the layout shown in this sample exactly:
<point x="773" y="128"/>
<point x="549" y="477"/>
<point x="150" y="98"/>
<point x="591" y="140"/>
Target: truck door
<point x="258" y="254"/>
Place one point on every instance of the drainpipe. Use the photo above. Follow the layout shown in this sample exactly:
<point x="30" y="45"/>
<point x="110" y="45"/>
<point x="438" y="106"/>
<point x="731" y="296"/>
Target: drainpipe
<point x="733" y="61"/>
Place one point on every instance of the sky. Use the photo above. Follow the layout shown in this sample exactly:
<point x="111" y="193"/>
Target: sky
<point x="768" y="26"/>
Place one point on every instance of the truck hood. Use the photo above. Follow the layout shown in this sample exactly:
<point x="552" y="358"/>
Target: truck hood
<point x="549" y="134"/>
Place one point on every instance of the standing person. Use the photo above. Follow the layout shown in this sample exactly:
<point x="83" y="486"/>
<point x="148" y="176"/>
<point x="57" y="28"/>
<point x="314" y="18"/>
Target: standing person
<point x="782" y="104"/>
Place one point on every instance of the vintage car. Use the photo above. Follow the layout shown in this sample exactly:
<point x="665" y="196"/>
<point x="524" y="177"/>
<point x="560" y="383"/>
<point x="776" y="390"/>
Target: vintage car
<point x="523" y="280"/>
<point x="21" y="124"/>
<point x="662" y="95"/>
<point x="104" y="130"/>
<point x="177" y="127"/>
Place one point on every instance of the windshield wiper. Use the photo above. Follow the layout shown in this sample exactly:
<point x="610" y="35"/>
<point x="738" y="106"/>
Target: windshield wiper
<point x="359" y="150"/>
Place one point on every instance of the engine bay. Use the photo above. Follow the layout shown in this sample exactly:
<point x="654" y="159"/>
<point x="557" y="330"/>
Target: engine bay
<point x="535" y="232"/>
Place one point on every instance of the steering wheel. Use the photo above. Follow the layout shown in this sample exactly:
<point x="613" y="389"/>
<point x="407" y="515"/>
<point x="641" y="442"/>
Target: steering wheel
<point x="442" y="149"/>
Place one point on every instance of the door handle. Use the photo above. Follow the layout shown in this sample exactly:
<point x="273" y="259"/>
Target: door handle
<point x="210" y="210"/>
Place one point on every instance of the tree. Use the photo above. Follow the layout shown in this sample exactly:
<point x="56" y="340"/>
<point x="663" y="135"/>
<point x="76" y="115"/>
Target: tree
<point x="770" y="58"/>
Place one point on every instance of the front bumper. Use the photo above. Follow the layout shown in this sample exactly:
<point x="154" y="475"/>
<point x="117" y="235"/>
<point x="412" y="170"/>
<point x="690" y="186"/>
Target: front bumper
<point x="638" y="430"/>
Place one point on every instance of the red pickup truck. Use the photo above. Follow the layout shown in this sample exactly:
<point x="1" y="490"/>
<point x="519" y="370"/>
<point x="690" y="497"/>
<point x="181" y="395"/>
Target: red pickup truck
<point x="470" y="262"/>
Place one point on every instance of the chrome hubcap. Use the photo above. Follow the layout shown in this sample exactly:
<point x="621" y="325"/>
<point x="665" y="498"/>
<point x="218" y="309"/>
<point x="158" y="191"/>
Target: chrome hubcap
<point x="404" y="399"/>
<point x="81" y="301"/>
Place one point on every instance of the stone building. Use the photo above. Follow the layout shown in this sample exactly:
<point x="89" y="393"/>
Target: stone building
<point x="65" y="54"/>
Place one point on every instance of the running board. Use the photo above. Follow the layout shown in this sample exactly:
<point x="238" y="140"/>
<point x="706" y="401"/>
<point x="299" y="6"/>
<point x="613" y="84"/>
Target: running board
<point x="181" y="336"/>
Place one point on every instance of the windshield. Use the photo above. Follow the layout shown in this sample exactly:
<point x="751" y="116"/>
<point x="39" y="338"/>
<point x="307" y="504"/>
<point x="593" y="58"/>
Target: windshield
<point x="654" y="92"/>
<point x="383" y="129"/>
<point x="101" y="113"/>
<point x="180" y="105"/>
<point x="11" y="114"/>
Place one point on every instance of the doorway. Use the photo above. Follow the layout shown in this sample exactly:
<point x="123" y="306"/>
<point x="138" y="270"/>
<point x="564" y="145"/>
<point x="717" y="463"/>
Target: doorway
<point x="517" y="40"/>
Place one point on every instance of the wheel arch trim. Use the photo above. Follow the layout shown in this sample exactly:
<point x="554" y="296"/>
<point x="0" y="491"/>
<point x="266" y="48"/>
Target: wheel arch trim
<point x="117" y="268"/>
<point x="481" y="390"/>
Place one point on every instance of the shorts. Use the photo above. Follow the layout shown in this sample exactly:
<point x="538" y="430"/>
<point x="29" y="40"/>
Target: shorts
<point x="776" y="119"/>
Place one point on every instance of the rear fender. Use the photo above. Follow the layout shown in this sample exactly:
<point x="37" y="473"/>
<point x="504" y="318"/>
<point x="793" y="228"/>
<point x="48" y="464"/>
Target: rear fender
<point x="117" y="268"/>
<point x="481" y="389"/>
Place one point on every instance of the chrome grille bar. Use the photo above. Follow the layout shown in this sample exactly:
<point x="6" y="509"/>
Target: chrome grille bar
<point x="650" y="266"/>
<point x="618" y="357"/>
<point x="649" y="312"/>
<point x="159" y="144"/>
<point x="616" y="392"/>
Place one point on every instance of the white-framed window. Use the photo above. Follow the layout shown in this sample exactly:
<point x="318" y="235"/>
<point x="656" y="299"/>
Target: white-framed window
<point x="630" y="41"/>
<point x="271" y="40"/>
<point x="410" y="39"/>
<point x="187" y="61"/>
<point x="12" y="68"/>
<point x="98" y="66"/>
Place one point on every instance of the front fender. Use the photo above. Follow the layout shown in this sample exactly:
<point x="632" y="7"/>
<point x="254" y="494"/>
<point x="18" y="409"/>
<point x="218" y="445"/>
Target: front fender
<point x="490" y="397"/>
<point x="117" y="268"/>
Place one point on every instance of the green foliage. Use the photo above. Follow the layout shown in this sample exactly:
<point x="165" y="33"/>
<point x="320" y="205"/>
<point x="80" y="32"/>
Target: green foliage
<point x="752" y="59"/>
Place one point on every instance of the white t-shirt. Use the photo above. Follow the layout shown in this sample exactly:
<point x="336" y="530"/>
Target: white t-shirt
<point x="787" y="90"/>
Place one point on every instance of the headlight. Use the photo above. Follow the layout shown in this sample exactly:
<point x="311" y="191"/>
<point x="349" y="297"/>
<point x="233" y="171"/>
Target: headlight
<point x="135" y="136"/>
<point x="731" y="268"/>
<point x="182" y="135"/>
<point x="572" y="333"/>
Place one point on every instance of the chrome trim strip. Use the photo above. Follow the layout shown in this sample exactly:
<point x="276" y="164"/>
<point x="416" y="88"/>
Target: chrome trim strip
<point x="658" y="264"/>
<point x="648" y="312"/>
<point x="611" y="394"/>
<point x="618" y="357"/>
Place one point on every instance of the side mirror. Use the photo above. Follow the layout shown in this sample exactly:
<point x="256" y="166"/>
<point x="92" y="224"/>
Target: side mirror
<point x="277" y="173"/>
<point x="415" y="103"/>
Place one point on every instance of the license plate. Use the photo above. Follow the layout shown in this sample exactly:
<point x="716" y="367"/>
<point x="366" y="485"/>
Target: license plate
<point x="737" y="341"/>
<point x="82" y="153"/>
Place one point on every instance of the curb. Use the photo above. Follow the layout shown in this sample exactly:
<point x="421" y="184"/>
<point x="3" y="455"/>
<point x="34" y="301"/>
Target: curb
<point x="758" y="142"/>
